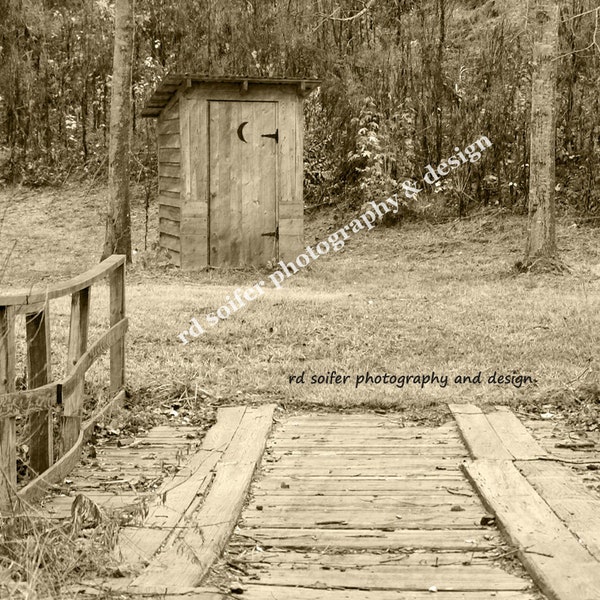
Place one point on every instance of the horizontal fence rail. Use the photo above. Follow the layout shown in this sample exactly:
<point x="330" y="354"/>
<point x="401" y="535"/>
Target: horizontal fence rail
<point x="43" y="394"/>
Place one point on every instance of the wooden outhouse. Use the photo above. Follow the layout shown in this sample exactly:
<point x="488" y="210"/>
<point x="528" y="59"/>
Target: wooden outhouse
<point x="230" y="168"/>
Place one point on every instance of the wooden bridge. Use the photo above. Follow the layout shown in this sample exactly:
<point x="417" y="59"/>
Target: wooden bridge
<point x="320" y="506"/>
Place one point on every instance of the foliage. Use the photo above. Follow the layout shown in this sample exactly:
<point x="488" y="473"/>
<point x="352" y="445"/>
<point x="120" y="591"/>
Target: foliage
<point x="420" y="77"/>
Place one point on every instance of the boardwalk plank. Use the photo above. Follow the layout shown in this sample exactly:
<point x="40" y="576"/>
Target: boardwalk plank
<point x="441" y="539"/>
<point x="415" y="578"/>
<point x="363" y="501"/>
<point x="177" y="495"/>
<point x="418" y="558"/>
<point x="556" y="560"/>
<point x="422" y="461"/>
<point x="267" y="592"/>
<point x="569" y="498"/>
<point x="515" y="437"/>
<point x="478" y="435"/>
<point x="455" y="450"/>
<point x="405" y="517"/>
<point x="187" y="560"/>
<point x="441" y="481"/>
<point x="384" y="470"/>
<point x="350" y="434"/>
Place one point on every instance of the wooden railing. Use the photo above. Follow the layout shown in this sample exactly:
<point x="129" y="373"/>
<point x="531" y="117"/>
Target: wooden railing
<point x="42" y="394"/>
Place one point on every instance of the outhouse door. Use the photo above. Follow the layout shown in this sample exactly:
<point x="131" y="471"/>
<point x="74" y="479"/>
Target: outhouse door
<point x="243" y="138"/>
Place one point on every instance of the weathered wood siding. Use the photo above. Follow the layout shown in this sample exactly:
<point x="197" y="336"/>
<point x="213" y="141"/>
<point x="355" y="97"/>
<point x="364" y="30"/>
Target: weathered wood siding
<point x="169" y="180"/>
<point x="291" y="165"/>
<point x="194" y="180"/>
<point x="190" y="158"/>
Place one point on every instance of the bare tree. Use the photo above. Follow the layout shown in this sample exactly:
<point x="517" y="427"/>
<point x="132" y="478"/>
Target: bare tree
<point x="541" y="247"/>
<point x="118" y="218"/>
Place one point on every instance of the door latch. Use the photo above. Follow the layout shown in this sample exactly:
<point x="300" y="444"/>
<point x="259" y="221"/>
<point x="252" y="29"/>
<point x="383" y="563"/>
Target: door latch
<point x="273" y="136"/>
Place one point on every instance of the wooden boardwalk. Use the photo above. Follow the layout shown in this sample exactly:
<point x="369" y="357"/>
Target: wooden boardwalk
<point x="347" y="507"/>
<point x="358" y="507"/>
<point x="126" y="478"/>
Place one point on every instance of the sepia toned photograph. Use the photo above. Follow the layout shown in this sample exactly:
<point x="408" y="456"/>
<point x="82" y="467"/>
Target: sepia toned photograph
<point x="299" y="300"/>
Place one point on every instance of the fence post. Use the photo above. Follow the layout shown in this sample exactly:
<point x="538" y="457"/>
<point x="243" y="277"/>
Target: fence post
<point x="78" y="338"/>
<point x="117" y="313"/>
<point x="37" y="327"/>
<point x="8" y="437"/>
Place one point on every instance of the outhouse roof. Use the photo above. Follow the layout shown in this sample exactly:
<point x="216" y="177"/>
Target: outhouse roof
<point x="174" y="81"/>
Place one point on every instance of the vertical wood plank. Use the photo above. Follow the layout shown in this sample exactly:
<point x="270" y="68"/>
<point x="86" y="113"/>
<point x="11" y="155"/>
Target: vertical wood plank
<point x="8" y="438"/>
<point x="264" y="248"/>
<point x="200" y="174"/>
<point x="248" y="175"/>
<point x="78" y="337"/>
<point x="233" y="148"/>
<point x="298" y="232"/>
<point x="194" y="246"/>
<point x="217" y="211"/>
<point x="117" y="313"/>
<point x="261" y="204"/>
<point x="287" y="149"/>
<point x="290" y="175"/>
<point x="227" y="251"/>
<point x="37" y="327"/>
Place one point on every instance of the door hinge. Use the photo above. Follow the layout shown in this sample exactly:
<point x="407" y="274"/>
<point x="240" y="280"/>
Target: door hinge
<point x="274" y="234"/>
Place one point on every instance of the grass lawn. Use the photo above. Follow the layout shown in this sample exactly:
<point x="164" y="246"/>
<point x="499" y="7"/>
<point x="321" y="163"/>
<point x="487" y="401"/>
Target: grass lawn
<point x="410" y="300"/>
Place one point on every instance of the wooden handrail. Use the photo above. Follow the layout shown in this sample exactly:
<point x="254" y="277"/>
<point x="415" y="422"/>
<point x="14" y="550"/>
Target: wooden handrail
<point x="44" y="394"/>
<point x="112" y="336"/>
<point x="50" y="395"/>
<point x="17" y="403"/>
<point x="24" y="297"/>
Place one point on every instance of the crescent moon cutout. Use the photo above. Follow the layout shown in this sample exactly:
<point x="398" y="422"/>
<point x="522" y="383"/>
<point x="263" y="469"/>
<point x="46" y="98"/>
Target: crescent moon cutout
<point x="240" y="131"/>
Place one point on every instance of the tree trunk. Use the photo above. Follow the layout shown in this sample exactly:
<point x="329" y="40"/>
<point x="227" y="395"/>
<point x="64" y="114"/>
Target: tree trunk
<point x="118" y="221"/>
<point x="541" y="232"/>
<point x="438" y="83"/>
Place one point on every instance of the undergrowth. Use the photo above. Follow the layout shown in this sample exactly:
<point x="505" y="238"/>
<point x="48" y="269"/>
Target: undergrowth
<point x="38" y="555"/>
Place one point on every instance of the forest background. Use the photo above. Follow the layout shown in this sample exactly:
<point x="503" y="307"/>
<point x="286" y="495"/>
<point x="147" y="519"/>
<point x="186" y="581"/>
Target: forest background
<point x="403" y="83"/>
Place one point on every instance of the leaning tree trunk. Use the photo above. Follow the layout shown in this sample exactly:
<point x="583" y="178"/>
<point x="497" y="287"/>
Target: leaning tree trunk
<point x="118" y="219"/>
<point x="541" y="239"/>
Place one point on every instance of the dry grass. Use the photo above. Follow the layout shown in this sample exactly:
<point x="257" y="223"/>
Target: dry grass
<point x="38" y="555"/>
<point x="410" y="300"/>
